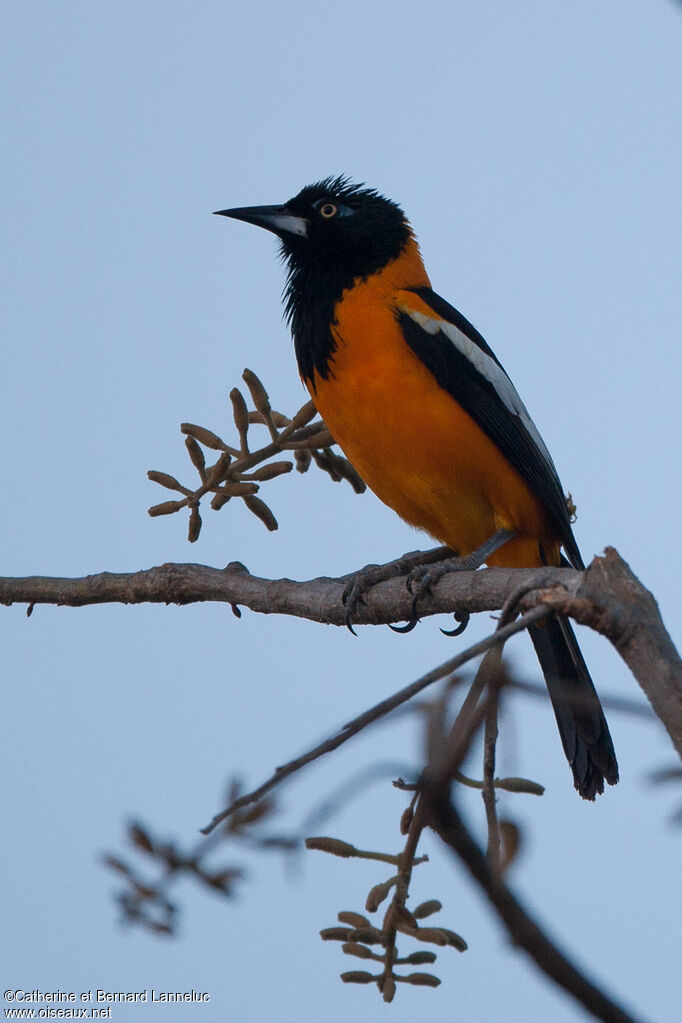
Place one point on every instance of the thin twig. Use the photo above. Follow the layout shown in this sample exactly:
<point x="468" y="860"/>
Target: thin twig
<point x="523" y="929"/>
<point x="489" y="744"/>
<point x="379" y="710"/>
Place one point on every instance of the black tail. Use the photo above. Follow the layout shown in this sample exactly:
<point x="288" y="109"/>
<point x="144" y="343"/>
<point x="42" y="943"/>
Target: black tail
<point x="582" y="725"/>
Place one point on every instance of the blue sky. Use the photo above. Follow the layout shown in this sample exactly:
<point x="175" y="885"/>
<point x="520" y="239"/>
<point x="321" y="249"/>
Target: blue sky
<point x="536" y="149"/>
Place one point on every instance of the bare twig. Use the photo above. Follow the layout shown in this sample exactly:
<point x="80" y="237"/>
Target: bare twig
<point x="523" y="929"/>
<point x="374" y="713"/>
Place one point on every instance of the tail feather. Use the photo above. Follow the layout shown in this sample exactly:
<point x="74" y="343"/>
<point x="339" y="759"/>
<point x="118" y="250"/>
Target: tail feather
<point x="582" y="726"/>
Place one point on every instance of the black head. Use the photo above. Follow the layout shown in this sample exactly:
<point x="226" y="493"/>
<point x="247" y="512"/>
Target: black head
<point x="331" y="233"/>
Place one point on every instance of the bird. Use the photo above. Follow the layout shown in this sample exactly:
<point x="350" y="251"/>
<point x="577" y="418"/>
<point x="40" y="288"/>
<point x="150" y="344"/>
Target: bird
<point x="425" y="412"/>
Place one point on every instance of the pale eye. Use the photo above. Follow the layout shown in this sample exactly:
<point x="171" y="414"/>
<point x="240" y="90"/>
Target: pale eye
<point x="328" y="210"/>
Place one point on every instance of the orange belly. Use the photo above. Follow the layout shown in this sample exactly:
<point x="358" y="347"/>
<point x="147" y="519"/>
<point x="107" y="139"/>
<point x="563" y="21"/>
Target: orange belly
<point x="416" y="448"/>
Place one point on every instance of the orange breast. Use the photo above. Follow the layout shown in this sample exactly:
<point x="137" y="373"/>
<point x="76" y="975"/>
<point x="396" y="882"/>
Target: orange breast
<point x="411" y="442"/>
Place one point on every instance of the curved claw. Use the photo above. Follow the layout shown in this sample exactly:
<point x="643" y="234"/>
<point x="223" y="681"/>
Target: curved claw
<point x="463" y="617"/>
<point x="351" y="598"/>
<point x="404" y="629"/>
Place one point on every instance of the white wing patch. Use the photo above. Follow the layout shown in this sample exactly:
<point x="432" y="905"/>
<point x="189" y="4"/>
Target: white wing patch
<point x="487" y="367"/>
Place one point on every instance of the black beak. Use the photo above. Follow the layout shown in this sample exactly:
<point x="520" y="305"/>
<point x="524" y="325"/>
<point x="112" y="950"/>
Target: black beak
<point x="278" y="219"/>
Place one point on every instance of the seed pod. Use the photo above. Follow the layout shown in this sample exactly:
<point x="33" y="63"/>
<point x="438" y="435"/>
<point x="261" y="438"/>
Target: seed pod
<point x="434" y="935"/>
<point x="335" y="934"/>
<point x="258" y="393"/>
<point x="453" y="939"/>
<point x="335" y="846"/>
<point x="303" y="459"/>
<point x="406" y="819"/>
<point x="388" y="989"/>
<point x="378" y="893"/>
<point x="194" y="524"/>
<point x="262" y="512"/>
<point x="241" y="416"/>
<point x="425" y="909"/>
<point x="217" y="473"/>
<point x="419" y="958"/>
<point x="197" y="457"/>
<point x="367" y="936"/>
<point x="167" y="481"/>
<point x="204" y="436"/>
<point x="218" y="500"/>
<point x="239" y="489"/>
<point x="140" y="838"/>
<point x="268" y="472"/>
<point x="354" y="919"/>
<point x="421" y="980"/>
<point x="304" y="415"/>
<point x="166" y="508"/>
<point x="520" y="785"/>
<point x="352" y="948"/>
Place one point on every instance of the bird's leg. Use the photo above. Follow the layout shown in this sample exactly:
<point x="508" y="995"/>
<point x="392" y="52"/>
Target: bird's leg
<point x="422" y="577"/>
<point x="358" y="583"/>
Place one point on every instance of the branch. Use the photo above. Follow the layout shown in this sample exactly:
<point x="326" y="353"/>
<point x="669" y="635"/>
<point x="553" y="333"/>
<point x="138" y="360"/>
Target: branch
<point x="607" y="598"/>
<point x="524" y="931"/>
<point x="379" y="710"/>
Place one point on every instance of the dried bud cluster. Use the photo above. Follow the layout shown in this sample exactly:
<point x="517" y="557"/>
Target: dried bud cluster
<point x="232" y="476"/>
<point x="359" y="937"/>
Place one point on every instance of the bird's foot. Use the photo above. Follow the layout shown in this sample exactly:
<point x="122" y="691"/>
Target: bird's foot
<point x="359" y="583"/>
<point x="422" y="578"/>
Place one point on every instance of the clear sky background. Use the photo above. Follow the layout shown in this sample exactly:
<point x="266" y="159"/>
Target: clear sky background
<point x="537" y="150"/>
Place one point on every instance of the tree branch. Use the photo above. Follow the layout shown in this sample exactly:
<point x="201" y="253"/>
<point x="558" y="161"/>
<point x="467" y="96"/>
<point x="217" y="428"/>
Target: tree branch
<point x="607" y="597"/>
<point x="524" y="931"/>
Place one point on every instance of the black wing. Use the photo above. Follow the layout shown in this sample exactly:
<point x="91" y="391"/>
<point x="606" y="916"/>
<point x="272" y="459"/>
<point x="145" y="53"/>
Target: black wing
<point x="466" y="367"/>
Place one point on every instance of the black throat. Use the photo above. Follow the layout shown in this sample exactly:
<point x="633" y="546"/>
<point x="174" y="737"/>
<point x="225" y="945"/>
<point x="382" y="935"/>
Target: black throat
<point x="334" y="256"/>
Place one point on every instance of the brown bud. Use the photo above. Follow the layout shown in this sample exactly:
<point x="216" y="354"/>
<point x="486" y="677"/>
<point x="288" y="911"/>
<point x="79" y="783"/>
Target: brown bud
<point x="403" y="919"/>
<point x="453" y="939"/>
<point x="377" y="894"/>
<point x="216" y="474"/>
<point x="241" y="416"/>
<point x="388" y="989"/>
<point x="335" y="934"/>
<point x="352" y="948"/>
<point x="204" y="436"/>
<point x="331" y="845"/>
<point x="114" y="863"/>
<point x="367" y="935"/>
<point x="304" y="415"/>
<point x="354" y="919"/>
<point x="239" y="489"/>
<point x="425" y="909"/>
<point x="197" y="456"/>
<point x="419" y="958"/>
<point x="511" y="837"/>
<point x="421" y="980"/>
<point x="262" y="512"/>
<point x="194" y="524"/>
<point x="167" y="481"/>
<point x="532" y="788"/>
<point x="258" y="393"/>
<point x="218" y="500"/>
<point x="268" y="472"/>
<point x="434" y="935"/>
<point x="406" y="819"/>
<point x="357" y="977"/>
<point x="140" y="838"/>
<point x="166" y="508"/>
<point x="303" y="459"/>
